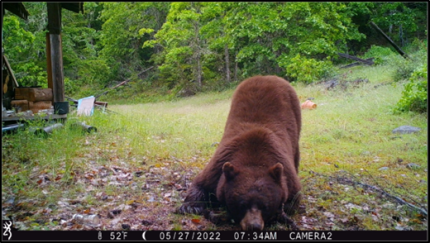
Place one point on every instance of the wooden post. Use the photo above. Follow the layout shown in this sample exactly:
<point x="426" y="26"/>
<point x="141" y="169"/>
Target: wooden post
<point x="54" y="27"/>
<point x="398" y="49"/>
<point x="48" y="61"/>
<point x="57" y="68"/>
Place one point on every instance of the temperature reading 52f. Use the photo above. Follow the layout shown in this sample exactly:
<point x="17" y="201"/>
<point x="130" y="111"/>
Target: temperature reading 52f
<point x="118" y="235"/>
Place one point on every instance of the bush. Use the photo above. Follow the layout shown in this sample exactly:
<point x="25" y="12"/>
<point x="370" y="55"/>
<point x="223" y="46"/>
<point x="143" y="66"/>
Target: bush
<point x="379" y="53"/>
<point x="414" y="95"/>
<point x="404" y="68"/>
<point x="308" y="70"/>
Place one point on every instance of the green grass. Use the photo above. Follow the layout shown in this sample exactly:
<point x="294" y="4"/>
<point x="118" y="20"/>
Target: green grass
<point x="349" y="134"/>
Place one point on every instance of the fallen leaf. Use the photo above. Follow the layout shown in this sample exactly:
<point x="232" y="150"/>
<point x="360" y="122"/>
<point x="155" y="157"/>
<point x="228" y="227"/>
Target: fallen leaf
<point x="344" y="220"/>
<point x="329" y="215"/>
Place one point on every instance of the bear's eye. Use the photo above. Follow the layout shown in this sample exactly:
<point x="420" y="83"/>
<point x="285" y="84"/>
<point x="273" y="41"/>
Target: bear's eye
<point x="242" y="204"/>
<point x="262" y="207"/>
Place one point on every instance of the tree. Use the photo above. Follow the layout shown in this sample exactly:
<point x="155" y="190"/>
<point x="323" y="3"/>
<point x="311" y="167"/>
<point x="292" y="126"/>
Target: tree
<point x="183" y="47"/>
<point x="22" y="48"/>
<point x="274" y="37"/>
<point x="122" y="35"/>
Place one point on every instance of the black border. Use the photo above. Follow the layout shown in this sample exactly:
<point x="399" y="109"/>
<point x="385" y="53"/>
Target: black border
<point x="217" y="236"/>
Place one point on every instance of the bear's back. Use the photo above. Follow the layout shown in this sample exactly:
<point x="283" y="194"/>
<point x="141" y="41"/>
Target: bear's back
<point x="269" y="101"/>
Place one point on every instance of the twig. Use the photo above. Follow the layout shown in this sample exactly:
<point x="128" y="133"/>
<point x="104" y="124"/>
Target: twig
<point x="344" y="180"/>
<point x="410" y="198"/>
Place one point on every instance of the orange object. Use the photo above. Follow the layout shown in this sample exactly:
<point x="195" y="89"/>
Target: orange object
<point x="309" y="105"/>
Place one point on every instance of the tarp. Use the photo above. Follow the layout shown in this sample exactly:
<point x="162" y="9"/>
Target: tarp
<point x="86" y="106"/>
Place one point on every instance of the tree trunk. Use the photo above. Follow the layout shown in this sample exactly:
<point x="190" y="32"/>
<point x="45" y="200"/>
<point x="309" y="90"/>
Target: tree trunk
<point x="227" y="64"/>
<point x="197" y="47"/>
<point x="199" y="71"/>
<point x="235" y="66"/>
<point x="402" y="42"/>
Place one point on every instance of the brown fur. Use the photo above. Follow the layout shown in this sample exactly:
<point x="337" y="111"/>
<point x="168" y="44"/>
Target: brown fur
<point x="254" y="169"/>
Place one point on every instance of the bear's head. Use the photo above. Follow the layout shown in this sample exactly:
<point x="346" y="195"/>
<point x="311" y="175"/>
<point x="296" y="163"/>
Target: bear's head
<point x="253" y="195"/>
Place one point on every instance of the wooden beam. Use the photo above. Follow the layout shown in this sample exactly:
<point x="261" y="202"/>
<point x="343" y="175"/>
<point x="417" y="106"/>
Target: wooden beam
<point x="17" y="9"/>
<point x="10" y="70"/>
<point x="48" y="61"/>
<point x="74" y="7"/>
<point x="57" y="68"/>
<point x="398" y="49"/>
<point x="54" y="18"/>
<point x="56" y="53"/>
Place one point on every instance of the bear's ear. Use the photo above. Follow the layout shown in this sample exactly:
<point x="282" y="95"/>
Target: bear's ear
<point x="276" y="172"/>
<point x="229" y="170"/>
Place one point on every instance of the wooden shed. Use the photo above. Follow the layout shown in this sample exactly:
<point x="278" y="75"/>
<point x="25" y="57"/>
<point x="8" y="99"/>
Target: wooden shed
<point x="54" y="94"/>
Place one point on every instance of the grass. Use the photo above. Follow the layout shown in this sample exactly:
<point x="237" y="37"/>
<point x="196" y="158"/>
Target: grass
<point x="142" y="152"/>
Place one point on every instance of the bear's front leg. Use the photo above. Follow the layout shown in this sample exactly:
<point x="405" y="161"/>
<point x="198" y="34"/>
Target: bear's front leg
<point x="201" y="194"/>
<point x="195" y="201"/>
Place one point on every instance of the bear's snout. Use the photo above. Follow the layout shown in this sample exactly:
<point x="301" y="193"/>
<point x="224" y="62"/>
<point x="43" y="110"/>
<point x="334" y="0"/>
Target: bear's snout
<point x="253" y="220"/>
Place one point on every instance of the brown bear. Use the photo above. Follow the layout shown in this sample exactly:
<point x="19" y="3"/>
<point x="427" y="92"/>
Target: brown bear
<point x="254" y="169"/>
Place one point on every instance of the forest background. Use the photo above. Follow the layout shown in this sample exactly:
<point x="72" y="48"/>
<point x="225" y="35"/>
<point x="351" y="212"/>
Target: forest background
<point x="204" y="46"/>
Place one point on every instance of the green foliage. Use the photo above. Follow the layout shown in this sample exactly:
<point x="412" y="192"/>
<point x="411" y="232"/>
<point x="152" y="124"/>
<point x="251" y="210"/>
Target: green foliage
<point x="253" y="36"/>
<point x="29" y="74"/>
<point x="126" y="26"/>
<point x="309" y="70"/>
<point x="379" y="53"/>
<point x="398" y="17"/>
<point x="70" y="87"/>
<point x="16" y="40"/>
<point x="207" y="45"/>
<point x="19" y="48"/>
<point x="414" y="95"/>
<point x="405" y="67"/>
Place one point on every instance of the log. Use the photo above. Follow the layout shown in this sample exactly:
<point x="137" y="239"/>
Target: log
<point x="40" y="95"/>
<point x="398" y="49"/>
<point x="357" y="63"/>
<point x="22" y="104"/>
<point x="39" y="105"/>
<point x="355" y="58"/>
<point x="22" y="93"/>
